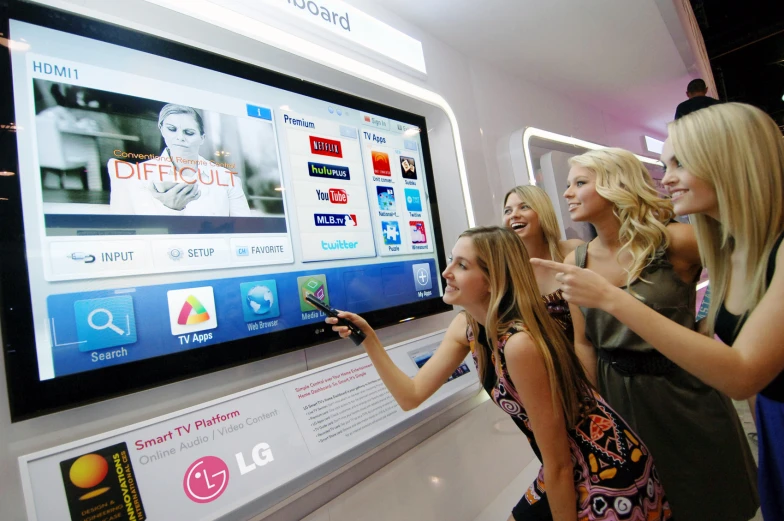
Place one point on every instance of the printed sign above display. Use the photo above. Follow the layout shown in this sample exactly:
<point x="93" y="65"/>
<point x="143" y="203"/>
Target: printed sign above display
<point x="259" y="446"/>
<point x="330" y="19"/>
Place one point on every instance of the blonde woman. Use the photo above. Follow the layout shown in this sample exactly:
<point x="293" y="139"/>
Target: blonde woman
<point x="725" y="168"/>
<point x="692" y="429"/>
<point x="529" y="213"/>
<point x="593" y="466"/>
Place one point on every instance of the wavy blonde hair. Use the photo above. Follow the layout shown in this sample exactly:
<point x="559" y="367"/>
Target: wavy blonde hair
<point x="623" y="180"/>
<point x="540" y="203"/>
<point x="514" y="298"/>
<point x="739" y="150"/>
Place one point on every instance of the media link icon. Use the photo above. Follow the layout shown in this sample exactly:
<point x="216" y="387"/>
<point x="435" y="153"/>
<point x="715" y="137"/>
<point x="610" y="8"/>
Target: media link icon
<point x="191" y="310"/>
<point x="391" y="232"/>
<point x="259" y="300"/>
<point x="315" y="284"/>
<point x="422" y="280"/>
<point x="105" y="322"/>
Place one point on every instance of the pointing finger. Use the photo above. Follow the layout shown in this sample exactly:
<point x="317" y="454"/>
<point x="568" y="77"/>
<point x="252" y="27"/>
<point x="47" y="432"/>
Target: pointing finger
<point x="558" y="267"/>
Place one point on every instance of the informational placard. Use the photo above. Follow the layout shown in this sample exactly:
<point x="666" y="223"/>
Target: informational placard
<point x="207" y="461"/>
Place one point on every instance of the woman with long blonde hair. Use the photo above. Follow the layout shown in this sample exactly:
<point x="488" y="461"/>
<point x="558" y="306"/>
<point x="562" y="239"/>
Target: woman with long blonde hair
<point x="693" y="430"/>
<point x="725" y="168"/>
<point x="528" y="211"/>
<point x="593" y="466"/>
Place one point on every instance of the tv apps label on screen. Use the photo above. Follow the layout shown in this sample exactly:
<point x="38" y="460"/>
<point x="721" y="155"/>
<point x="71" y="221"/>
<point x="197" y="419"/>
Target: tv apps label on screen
<point x="191" y="311"/>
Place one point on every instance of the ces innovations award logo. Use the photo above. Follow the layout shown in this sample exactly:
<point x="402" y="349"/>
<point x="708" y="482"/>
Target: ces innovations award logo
<point x="102" y="483"/>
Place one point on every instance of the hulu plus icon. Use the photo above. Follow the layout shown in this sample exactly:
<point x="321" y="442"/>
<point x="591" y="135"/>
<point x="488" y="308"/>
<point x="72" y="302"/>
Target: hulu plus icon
<point x="315" y="284"/>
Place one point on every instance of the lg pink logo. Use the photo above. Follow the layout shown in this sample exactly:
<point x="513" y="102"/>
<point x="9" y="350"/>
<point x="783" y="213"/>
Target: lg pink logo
<point x="206" y="479"/>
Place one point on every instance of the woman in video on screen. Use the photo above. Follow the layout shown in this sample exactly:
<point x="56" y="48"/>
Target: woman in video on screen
<point x="529" y="213"/>
<point x="725" y="168"/>
<point x="181" y="182"/>
<point x="593" y="466"/>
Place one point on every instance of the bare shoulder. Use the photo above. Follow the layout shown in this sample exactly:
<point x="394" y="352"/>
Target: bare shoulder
<point x="521" y="349"/>
<point x="568" y="246"/>
<point x="683" y="243"/>
<point x="457" y="329"/>
<point x="570" y="258"/>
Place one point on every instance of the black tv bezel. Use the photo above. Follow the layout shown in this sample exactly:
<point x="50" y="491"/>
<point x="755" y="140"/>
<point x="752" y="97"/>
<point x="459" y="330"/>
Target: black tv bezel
<point x="31" y="397"/>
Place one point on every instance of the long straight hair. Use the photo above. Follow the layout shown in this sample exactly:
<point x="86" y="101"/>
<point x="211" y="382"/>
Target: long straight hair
<point x="623" y="180"/>
<point x="739" y="151"/>
<point x="514" y="298"/>
<point x="540" y="203"/>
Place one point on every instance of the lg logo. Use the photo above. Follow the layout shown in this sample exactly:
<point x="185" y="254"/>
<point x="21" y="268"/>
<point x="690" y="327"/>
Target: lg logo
<point x="207" y="478"/>
<point x="260" y="455"/>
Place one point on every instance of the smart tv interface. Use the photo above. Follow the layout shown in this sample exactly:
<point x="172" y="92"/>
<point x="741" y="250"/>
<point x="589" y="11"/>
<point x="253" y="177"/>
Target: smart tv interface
<point x="177" y="206"/>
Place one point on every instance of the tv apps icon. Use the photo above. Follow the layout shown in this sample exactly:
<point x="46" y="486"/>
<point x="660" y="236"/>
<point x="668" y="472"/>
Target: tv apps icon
<point x="105" y="322"/>
<point x="381" y="163"/>
<point x="408" y="167"/>
<point x="391" y="233"/>
<point x="418" y="234"/>
<point x="386" y="198"/>
<point x="413" y="201"/>
<point x="259" y="300"/>
<point x="192" y="310"/>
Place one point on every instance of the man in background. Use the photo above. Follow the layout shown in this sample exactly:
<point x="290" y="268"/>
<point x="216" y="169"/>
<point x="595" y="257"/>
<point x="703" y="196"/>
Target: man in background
<point x="697" y="92"/>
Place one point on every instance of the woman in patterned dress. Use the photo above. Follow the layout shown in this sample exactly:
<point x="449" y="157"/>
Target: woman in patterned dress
<point x="529" y="213"/>
<point x="593" y="465"/>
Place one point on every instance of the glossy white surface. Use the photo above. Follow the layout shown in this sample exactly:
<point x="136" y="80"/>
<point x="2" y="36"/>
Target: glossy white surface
<point x="474" y="470"/>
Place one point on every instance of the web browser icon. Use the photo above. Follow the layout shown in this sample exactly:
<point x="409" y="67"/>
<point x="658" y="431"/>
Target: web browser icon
<point x="105" y="322"/>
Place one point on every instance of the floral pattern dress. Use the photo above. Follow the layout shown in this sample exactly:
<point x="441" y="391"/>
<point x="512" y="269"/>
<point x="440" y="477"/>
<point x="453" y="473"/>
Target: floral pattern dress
<point x="614" y="475"/>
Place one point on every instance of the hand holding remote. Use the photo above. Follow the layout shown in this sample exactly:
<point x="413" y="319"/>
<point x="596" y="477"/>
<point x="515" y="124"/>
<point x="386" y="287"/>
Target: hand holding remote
<point x="355" y="333"/>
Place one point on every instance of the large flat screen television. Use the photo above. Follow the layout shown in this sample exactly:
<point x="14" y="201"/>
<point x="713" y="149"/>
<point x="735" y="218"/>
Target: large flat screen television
<point x="165" y="210"/>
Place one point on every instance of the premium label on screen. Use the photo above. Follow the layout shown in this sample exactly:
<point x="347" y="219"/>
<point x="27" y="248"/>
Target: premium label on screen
<point x="325" y="147"/>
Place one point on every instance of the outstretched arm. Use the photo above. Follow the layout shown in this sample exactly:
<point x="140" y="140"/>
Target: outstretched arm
<point x="755" y="359"/>
<point x="411" y="392"/>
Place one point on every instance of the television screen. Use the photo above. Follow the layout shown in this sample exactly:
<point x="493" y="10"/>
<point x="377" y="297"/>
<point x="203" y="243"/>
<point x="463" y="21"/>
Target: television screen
<point x="166" y="210"/>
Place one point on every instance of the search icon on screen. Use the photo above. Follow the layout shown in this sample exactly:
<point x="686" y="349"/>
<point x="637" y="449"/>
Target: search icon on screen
<point x="109" y="321"/>
<point x="105" y="322"/>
